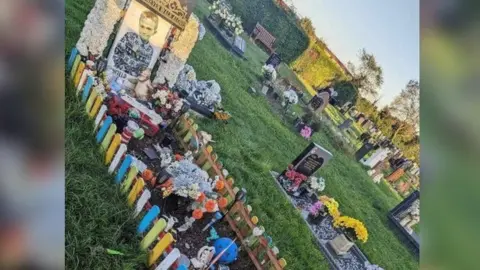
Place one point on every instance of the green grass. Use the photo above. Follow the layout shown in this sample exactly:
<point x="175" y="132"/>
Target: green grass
<point x="285" y="72"/>
<point x="96" y="214"/>
<point x="254" y="142"/>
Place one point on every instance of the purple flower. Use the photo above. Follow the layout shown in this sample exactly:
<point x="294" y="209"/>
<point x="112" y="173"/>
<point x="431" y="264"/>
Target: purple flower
<point x="315" y="208"/>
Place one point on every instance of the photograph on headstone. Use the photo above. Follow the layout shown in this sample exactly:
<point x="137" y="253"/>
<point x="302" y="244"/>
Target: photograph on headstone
<point x="137" y="45"/>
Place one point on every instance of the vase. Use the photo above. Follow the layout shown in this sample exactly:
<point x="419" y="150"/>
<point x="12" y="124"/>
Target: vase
<point x="349" y="234"/>
<point x="316" y="219"/>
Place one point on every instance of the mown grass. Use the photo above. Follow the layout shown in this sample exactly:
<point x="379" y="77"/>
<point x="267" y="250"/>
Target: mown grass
<point x="254" y="142"/>
<point x="96" y="214"/>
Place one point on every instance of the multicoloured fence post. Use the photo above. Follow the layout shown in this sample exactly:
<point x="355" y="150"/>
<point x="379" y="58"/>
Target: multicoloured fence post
<point x="103" y="130"/>
<point x="132" y="173"/>
<point x="122" y="149"/>
<point x="152" y="235"/>
<point x="71" y="59"/>
<point x="159" y="248"/>
<point x="123" y="169"/>
<point x="148" y="219"/>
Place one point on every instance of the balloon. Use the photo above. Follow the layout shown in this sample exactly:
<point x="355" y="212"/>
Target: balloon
<point x="230" y="254"/>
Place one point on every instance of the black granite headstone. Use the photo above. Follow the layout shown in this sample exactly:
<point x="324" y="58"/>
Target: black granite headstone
<point x="274" y="60"/>
<point x="363" y="151"/>
<point x="311" y="159"/>
<point x="316" y="102"/>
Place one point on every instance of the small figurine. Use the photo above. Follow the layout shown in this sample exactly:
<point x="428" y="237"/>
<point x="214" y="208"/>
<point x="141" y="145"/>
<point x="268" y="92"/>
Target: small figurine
<point x="170" y="222"/>
<point x="187" y="225"/>
<point x="204" y="256"/>
<point x="213" y="235"/>
<point x="144" y="86"/>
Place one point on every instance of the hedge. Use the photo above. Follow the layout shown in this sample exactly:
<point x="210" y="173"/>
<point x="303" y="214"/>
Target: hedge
<point x="290" y="41"/>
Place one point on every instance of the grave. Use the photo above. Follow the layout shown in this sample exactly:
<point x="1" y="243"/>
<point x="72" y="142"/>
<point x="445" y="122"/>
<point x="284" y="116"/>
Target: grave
<point x="404" y="216"/>
<point x="319" y="101"/>
<point x="324" y="232"/>
<point x="274" y="60"/>
<point x="346" y="124"/>
<point x="364" y="150"/>
<point x="311" y="159"/>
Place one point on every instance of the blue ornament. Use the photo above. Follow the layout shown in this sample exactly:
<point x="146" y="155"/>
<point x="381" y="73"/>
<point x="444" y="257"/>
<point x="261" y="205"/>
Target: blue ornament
<point x="230" y="255"/>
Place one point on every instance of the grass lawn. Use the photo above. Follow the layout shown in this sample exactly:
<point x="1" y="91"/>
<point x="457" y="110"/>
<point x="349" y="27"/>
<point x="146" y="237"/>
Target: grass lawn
<point x="254" y="142"/>
<point x="96" y="214"/>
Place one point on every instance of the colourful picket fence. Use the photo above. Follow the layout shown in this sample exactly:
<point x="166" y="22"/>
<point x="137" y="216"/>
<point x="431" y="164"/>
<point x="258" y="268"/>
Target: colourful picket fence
<point x="128" y="177"/>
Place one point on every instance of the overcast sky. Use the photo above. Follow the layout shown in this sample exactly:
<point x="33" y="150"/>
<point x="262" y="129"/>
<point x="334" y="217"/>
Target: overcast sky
<point x="387" y="29"/>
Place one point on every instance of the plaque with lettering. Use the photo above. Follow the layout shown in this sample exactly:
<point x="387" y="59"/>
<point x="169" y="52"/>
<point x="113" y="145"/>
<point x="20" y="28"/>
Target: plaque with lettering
<point x="311" y="159"/>
<point x="319" y="101"/>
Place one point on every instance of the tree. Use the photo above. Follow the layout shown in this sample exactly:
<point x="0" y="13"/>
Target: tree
<point x="307" y="25"/>
<point x="406" y="107"/>
<point x="368" y="75"/>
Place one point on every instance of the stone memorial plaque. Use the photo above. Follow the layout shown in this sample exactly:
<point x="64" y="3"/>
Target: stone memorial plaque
<point x="319" y="101"/>
<point x="274" y="60"/>
<point x="311" y="159"/>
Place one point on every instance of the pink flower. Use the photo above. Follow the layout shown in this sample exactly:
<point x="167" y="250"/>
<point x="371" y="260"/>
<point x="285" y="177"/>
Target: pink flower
<point x="306" y="132"/>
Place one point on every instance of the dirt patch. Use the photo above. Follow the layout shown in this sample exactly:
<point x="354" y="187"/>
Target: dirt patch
<point x="190" y="241"/>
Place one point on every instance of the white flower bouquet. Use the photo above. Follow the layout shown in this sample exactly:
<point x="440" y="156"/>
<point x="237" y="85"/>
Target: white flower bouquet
<point x="269" y="73"/>
<point x="316" y="184"/>
<point x="188" y="179"/>
<point x="290" y="97"/>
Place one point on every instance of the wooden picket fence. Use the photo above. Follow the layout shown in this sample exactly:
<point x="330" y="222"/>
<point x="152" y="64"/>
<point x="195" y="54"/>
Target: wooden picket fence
<point x="238" y="217"/>
<point x="157" y="242"/>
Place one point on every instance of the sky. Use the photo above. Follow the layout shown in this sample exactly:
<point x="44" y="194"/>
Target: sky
<point x="387" y="29"/>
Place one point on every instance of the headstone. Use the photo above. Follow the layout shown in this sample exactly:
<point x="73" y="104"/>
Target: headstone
<point x="364" y="150"/>
<point x="319" y="101"/>
<point x="346" y="124"/>
<point x="274" y="60"/>
<point x="311" y="159"/>
<point x="367" y="124"/>
<point x="394" y="176"/>
<point x="340" y="244"/>
<point x="377" y="178"/>
<point x="377" y="157"/>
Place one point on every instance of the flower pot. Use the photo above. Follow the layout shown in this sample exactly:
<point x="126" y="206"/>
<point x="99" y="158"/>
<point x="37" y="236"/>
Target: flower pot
<point x="349" y="234"/>
<point x="316" y="219"/>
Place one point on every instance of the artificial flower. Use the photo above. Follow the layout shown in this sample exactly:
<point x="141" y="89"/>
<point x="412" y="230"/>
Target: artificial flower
<point x="197" y="214"/>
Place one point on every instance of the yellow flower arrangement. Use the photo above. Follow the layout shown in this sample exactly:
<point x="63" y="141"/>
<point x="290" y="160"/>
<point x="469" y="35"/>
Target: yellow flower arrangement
<point x="356" y="225"/>
<point x="331" y="205"/>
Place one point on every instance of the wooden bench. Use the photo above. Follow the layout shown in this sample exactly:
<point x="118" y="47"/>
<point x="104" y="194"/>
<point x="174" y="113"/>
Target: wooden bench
<point x="261" y="34"/>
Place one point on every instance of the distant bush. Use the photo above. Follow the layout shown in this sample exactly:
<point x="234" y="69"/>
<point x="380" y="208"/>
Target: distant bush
<point x="291" y="40"/>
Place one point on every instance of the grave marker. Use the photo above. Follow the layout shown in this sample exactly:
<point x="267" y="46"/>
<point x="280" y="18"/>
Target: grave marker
<point x="311" y="159"/>
<point x="319" y="101"/>
<point x="274" y="60"/>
